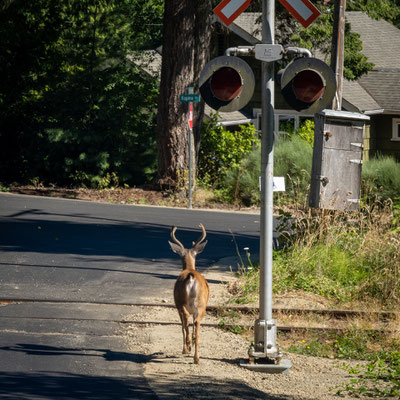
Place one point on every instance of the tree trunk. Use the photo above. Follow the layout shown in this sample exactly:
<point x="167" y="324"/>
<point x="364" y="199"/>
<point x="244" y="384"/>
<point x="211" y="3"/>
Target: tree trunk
<point x="176" y="75"/>
<point x="201" y="57"/>
<point x="185" y="51"/>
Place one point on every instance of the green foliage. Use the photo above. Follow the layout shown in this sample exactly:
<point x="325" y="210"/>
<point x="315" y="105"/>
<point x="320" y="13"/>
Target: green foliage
<point x="4" y="188"/>
<point x="336" y="255"/>
<point x="306" y="131"/>
<point x="222" y="149"/>
<point x="380" y="378"/>
<point x="351" y="344"/>
<point x="72" y="110"/>
<point x="318" y="36"/>
<point x="242" y="181"/>
<point x="355" y="62"/>
<point x="381" y="178"/>
<point x="325" y="270"/>
<point x="292" y="159"/>
<point x="389" y="10"/>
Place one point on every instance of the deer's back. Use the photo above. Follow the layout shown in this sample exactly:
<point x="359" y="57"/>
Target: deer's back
<point x="191" y="291"/>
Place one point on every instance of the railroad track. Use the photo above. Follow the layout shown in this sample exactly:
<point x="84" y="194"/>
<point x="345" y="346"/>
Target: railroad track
<point x="383" y="316"/>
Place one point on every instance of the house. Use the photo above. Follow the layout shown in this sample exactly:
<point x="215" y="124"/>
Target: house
<point x="376" y="94"/>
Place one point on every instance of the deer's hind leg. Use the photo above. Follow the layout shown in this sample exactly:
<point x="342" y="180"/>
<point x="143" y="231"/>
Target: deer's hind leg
<point x="196" y="334"/>
<point x="187" y="345"/>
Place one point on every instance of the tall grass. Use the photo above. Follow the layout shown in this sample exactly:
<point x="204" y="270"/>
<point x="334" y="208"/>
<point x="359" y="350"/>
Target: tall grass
<point x="292" y="160"/>
<point x="381" y="178"/>
<point x="344" y="257"/>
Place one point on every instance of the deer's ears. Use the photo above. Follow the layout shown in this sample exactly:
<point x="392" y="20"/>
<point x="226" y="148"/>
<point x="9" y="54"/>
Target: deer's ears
<point x="200" y="247"/>
<point x="176" y="248"/>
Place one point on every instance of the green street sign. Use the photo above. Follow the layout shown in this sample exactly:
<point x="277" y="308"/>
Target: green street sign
<point x="186" y="98"/>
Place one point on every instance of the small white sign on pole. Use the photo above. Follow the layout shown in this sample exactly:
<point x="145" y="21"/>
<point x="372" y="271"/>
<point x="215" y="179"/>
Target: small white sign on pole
<point x="278" y="183"/>
<point x="269" y="52"/>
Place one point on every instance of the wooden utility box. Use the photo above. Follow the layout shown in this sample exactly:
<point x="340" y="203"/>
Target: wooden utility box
<point x="337" y="160"/>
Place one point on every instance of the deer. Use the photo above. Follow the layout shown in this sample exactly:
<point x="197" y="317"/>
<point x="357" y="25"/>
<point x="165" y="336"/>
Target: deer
<point x="191" y="291"/>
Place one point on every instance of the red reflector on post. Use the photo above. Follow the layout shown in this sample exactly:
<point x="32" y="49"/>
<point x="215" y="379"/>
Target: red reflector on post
<point x="226" y="84"/>
<point x="308" y="86"/>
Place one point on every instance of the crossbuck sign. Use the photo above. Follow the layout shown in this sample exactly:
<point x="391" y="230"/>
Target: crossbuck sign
<point x="303" y="10"/>
<point x="229" y="10"/>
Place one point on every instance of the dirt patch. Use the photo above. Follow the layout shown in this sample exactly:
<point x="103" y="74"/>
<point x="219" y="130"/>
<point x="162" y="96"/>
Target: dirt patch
<point x="138" y="196"/>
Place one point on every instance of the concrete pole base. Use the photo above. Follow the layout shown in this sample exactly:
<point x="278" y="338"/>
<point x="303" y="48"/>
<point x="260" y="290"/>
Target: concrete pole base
<point x="268" y="366"/>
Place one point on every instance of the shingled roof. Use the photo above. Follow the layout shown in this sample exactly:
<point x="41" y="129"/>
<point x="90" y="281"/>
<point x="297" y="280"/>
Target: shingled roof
<point x="381" y="44"/>
<point x="381" y="40"/>
<point x="377" y="91"/>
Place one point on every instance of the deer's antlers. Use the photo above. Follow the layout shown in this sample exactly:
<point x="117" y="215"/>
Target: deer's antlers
<point x="202" y="237"/>
<point x="175" y="239"/>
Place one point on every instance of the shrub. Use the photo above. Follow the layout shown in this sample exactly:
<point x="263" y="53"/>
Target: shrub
<point x="293" y="158"/>
<point x="242" y="181"/>
<point x="222" y="149"/>
<point x="381" y="179"/>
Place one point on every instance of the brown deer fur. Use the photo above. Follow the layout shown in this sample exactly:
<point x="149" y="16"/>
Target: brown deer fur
<point x="191" y="291"/>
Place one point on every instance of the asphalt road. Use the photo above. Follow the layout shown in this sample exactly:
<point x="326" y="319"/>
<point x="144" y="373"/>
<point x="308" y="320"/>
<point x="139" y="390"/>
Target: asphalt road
<point x="70" y="256"/>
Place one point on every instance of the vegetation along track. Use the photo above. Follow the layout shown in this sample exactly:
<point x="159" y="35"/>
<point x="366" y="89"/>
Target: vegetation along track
<point x="296" y="319"/>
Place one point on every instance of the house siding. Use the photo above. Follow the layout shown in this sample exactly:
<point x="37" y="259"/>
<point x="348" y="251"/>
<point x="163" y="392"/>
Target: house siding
<point x="381" y="136"/>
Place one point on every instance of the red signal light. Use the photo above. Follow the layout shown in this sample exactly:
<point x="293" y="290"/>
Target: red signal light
<point x="226" y="84"/>
<point x="308" y="86"/>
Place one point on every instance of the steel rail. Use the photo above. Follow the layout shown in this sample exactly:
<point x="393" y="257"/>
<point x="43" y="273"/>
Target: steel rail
<point x="337" y="313"/>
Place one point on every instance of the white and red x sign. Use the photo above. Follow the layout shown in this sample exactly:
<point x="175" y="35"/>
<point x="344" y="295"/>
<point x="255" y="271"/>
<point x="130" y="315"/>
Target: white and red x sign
<point x="229" y="10"/>
<point x="303" y="10"/>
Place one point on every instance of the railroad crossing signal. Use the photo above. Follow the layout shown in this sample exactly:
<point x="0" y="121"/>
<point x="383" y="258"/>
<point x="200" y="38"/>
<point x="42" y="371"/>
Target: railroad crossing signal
<point x="308" y="85"/>
<point x="227" y="83"/>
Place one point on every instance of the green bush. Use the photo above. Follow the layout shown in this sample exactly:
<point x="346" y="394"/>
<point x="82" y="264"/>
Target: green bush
<point x="242" y="181"/>
<point x="381" y="179"/>
<point x="222" y="149"/>
<point x="306" y="131"/>
<point x="292" y="160"/>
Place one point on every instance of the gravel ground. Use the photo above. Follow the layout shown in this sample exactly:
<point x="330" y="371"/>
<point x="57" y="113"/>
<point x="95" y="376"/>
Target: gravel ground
<point x="173" y="375"/>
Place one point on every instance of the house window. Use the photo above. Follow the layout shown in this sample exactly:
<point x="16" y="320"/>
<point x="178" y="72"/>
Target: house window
<point x="285" y="123"/>
<point x="396" y="129"/>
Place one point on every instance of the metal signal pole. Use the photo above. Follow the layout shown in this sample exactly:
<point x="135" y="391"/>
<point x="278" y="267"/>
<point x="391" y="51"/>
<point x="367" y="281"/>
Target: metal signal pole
<point x="267" y="172"/>
<point x="265" y="356"/>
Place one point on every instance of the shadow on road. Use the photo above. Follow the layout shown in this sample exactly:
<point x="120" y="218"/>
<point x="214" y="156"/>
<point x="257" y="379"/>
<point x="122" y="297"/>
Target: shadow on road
<point x="50" y="385"/>
<point x="47" y="385"/>
<point x="125" y="240"/>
